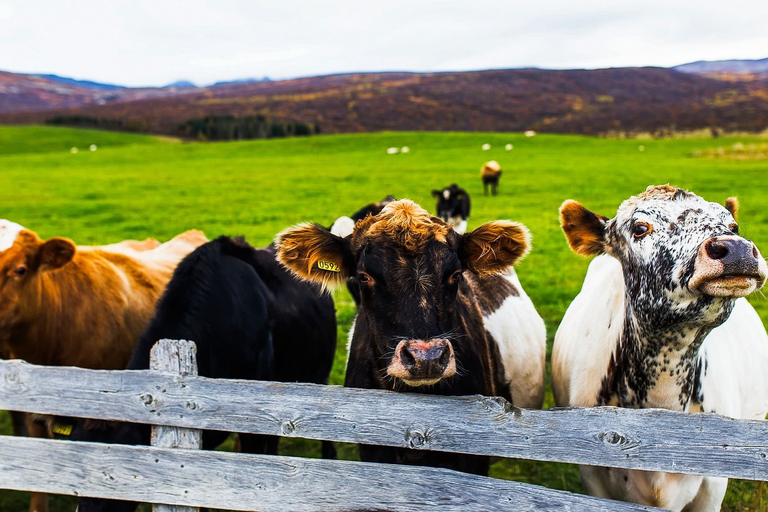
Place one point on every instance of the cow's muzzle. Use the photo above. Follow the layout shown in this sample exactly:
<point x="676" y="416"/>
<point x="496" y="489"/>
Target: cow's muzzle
<point x="728" y="267"/>
<point x="423" y="362"/>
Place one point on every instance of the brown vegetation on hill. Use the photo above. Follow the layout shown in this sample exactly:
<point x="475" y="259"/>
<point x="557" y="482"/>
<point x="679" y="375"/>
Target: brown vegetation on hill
<point x="620" y="100"/>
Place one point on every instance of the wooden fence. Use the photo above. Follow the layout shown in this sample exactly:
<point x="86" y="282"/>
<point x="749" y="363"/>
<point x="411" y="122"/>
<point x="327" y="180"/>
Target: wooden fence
<point x="179" y="403"/>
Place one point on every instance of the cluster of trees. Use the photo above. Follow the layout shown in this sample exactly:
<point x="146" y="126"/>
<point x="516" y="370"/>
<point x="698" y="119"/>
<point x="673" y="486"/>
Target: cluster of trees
<point x="243" y="128"/>
<point x="104" y="123"/>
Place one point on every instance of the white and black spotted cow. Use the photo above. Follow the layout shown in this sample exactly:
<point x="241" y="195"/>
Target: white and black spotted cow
<point x="644" y="331"/>
<point x="453" y="206"/>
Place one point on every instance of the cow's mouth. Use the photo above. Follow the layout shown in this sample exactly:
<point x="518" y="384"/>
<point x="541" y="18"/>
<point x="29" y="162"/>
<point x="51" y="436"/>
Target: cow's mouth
<point x="731" y="285"/>
<point x="421" y="382"/>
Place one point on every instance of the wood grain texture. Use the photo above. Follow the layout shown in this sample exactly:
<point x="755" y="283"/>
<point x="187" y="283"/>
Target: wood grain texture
<point x="647" y="439"/>
<point x="175" y="356"/>
<point x="266" y="483"/>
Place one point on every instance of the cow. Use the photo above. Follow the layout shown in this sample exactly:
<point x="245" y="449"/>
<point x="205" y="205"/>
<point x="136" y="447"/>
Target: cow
<point x="453" y="206"/>
<point x="86" y="306"/>
<point x="490" y="173"/>
<point x="250" y="319"/>
<point x="441" y="313"/>
<point x="670" y="268"/>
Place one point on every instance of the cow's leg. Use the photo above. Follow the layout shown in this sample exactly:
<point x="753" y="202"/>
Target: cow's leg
<point x="328" y="450"/>
<point x="485" y="188"/>
<point x="19" y="423"/>
<point x="251" y="443"/>
<point x="38" y="501"/>
<point x="494" y="185"/>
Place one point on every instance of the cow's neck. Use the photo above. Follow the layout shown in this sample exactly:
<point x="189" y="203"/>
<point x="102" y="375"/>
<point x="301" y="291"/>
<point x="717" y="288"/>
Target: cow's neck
<point x="657" y="366"/>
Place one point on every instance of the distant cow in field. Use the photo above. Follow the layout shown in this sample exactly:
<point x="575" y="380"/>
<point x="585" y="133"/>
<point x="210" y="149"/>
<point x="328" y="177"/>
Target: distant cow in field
<point x="453" y="206"/>
<point x="441" y="313"/>
<point x="250" y="319"/>
<point x="490" y="173"/>
<point x="64" y="305"/>
<point x="640" y="334"/>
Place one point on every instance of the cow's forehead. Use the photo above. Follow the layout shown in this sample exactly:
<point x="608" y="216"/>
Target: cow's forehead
<point x="402" y="224"/>
<point x="668" y="202"/>
<point x="8" y="233"/>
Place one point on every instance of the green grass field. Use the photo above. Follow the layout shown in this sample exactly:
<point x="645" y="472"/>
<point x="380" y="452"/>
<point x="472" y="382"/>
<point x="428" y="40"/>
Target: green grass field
<point x="135" y="187"/>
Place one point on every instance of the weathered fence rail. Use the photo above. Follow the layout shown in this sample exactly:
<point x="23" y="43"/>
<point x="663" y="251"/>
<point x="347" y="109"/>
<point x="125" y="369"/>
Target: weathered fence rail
<point x="637" y="439"/>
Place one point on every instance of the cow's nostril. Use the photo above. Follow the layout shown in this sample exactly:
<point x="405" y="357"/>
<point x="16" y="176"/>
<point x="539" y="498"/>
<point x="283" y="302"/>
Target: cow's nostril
<point x="407" y="358"/>
<point x="445" y="357"/>
<point x="716" y="250"/>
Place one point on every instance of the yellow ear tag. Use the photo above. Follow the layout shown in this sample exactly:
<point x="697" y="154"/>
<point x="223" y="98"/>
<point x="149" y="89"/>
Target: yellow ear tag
<point x="328" y="265"/>
<point x="61" y="429"/>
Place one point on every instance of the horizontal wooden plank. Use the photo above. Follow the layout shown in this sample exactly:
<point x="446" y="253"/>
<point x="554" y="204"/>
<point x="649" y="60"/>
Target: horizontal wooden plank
<point x="637" y="439"/>
<point x="267" y="483"/>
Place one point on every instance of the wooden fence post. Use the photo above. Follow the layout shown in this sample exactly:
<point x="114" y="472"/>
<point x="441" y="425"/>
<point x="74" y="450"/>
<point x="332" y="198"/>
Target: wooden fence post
<point x="175" y="356"/>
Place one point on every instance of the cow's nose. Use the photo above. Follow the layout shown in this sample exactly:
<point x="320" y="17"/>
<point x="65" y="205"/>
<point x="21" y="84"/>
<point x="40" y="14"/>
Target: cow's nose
<point x="414" y="355"/>
<point x="423" y="362"/>
<point x="738" y="256"/>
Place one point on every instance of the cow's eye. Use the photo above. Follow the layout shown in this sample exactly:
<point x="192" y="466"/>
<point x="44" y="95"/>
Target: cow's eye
<point x="20" y="270"/>
<point x="641" y="229"/>
<point x="456" y="277"/>
<point x="364" y="278"/>
<point x="734" y="228"/>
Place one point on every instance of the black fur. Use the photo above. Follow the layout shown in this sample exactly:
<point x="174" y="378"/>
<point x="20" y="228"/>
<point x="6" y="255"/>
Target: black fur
<point x="250" y="319"/>
<point x="457" y="204"/>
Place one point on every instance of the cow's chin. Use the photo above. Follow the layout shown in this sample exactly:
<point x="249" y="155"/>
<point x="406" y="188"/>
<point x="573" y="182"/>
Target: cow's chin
<point x="415" y="383"/>
<point x="730" y="286"/>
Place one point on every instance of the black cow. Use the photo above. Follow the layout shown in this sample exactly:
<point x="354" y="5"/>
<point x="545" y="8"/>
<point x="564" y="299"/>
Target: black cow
<point x="453" y="207"/>
<point x="430" y="300"/>
<point x="250" y="319"/>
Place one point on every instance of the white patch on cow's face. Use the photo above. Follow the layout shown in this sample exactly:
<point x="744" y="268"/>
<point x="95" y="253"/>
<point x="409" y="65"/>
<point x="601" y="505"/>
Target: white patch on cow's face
<point x="446" y="194"/>
<point x="658" y="238"/>
<point x="8" y="233"/>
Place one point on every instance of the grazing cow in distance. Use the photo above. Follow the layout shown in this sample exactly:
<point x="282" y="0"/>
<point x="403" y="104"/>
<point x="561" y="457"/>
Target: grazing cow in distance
<point x="441" y="313"/>
<point x="64" y="305"/>
<point x="490" y="173"/>
<point x="644" y="331"/>
<point x="250" y="319"/>
<point x="453" y="206"/>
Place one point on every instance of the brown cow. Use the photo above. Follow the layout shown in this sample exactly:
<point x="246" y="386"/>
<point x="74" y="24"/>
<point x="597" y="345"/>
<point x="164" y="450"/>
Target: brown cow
<point x="81" y="306"/>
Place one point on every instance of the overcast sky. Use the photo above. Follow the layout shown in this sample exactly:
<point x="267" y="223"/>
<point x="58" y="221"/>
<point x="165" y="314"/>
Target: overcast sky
<point x="154" y="42"/>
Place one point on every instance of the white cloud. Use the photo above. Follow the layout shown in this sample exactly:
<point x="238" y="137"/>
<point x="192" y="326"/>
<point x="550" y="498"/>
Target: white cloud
<point x="143" y="42"/>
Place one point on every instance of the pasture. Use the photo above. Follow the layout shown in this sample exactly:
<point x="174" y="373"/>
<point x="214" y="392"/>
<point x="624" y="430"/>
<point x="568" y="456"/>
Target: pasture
<point x="136" y="186"/>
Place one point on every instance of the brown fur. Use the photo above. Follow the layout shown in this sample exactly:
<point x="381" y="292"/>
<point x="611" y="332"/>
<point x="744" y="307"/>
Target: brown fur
<point x="80" y="308"/>
<point x="583" y="229"/>
<point x="732" y="205"/>
<point x="495" y="246"/>
<point x="302" y="248"/>
<point x="407" y="223"/>
<point x="490" y="169"/>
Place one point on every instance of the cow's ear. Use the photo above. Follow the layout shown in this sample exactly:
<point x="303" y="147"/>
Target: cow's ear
<point x="494" y="246"/>
<point x="311" y="252"/>
<point x="55" y="253"/>
<point x="732" y="205"/>
<point x="584" y="230"/>
<point x="436" y="193"/>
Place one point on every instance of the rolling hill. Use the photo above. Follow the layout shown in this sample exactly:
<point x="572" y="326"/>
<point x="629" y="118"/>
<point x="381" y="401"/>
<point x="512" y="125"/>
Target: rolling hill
<point x="618" y="100"/>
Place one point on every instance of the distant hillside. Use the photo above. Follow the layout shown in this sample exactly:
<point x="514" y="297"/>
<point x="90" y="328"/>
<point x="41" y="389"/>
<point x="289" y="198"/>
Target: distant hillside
<point x="28" y="93"/>
<point x="567" y="101"/>
<point x="81" y="83"/>
<point x="725" y="66"/>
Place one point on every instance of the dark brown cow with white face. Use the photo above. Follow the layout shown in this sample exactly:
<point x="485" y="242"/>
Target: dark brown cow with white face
<point x="440" y="312"/>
